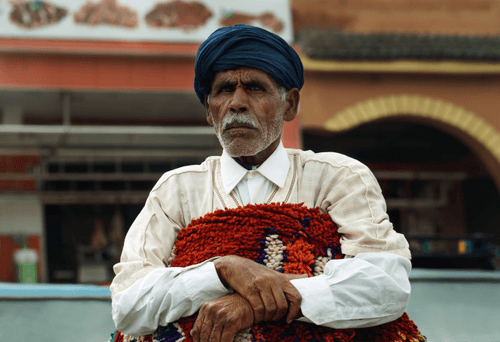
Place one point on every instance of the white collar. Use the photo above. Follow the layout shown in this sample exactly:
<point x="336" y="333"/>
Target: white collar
<point x="275" y="169"/>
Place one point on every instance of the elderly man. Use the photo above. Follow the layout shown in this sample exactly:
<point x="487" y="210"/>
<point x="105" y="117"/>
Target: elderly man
<point x="249" y="81"/>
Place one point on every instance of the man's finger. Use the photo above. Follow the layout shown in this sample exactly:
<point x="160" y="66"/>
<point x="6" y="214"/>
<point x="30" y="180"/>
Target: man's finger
<point x="281" y="304"/>
<point x="206" y="328"/>
<point x="216" y="333"/>
<point x="258" y="308"/>
<point x="195" y="335"/>
<point x="228" y="333"/>
<point x="293" y="312"/>
<point x="269" y="301"/>
<point x="294" y="301"/>
<point x="195" y="332"/>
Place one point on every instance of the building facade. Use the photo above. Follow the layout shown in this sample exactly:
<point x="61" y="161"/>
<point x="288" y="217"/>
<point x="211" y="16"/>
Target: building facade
<point x="89" y="124"/>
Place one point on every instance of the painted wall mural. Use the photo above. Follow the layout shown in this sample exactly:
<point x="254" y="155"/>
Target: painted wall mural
<point x="180" y="14"/>
<point x="139" y="20"/>
<point x="106" y="12"/>
<point x="34" y="14"/>
<point x="267" y="20"/>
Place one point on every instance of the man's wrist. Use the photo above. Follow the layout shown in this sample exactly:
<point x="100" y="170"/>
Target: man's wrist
<point x="220" y="267"/>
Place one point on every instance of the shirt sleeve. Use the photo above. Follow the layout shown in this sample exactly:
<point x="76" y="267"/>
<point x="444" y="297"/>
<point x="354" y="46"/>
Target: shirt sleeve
<point x="164" y="296"/>
<point x="145" y="292"/>
<point x="367" y="290"/>
<point x="371" y="285"/>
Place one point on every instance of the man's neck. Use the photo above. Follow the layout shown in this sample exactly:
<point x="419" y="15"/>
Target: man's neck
<point x="245" y="165"/>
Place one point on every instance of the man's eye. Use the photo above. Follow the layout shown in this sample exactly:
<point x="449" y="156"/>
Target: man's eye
<point x="257" y="88"/>
<point x="226" y="89"/>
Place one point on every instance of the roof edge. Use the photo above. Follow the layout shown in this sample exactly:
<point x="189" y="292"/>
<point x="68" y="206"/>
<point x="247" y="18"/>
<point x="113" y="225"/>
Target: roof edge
<point x="401" y="66"/>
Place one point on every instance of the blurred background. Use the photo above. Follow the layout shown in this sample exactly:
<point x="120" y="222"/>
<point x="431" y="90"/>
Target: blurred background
<point x="97" y="102"/>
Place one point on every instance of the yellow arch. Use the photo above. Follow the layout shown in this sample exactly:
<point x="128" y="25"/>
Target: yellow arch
<point x="425" y="107"/>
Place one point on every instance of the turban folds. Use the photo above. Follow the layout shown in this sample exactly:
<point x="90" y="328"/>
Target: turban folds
<point x="246" y="46"/>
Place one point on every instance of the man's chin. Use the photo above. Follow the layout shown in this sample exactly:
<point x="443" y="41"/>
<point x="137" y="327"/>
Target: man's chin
<point x="243" y="148"/>
<point x="237" y="153"/>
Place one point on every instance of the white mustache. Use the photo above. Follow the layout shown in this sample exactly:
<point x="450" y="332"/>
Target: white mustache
<point x="235" y="118"/>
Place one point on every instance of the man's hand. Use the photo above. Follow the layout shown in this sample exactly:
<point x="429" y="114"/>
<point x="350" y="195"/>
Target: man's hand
<point x="270" y="293"/>
<point x="220" y="319"/>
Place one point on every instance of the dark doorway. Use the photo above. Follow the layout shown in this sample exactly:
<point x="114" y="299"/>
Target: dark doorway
<point x="72" y="244"/>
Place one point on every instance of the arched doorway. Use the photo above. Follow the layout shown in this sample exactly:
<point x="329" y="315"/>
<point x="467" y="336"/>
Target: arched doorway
<point x="477" y="134"/>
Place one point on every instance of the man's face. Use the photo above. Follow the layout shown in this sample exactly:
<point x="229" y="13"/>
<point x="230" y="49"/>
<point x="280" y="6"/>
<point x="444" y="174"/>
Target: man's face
<point x="246" y="110"/>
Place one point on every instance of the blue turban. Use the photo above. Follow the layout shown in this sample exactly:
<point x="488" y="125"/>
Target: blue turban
<point x="246" y="46"/>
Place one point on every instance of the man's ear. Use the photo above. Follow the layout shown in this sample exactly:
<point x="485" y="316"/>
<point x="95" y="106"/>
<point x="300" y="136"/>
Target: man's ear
<point x="292" y="104"/>
<point x="207" y="109"/>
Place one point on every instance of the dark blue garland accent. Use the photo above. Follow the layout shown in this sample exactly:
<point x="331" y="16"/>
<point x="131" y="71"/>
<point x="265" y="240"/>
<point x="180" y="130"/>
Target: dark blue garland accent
<point x="168" y="334"/>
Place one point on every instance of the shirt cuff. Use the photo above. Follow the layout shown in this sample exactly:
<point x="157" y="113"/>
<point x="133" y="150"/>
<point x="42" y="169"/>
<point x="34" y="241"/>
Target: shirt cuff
<point x="370" y="289"/>
<point x="203" y="284"/>
<point x="313" y="290"/>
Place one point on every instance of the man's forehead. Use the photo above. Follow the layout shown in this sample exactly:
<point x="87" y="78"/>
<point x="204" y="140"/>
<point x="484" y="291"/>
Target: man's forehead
<point x="243" y="74"/>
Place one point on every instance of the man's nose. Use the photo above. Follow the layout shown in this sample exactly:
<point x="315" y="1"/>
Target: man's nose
<point x="239" y="100"/>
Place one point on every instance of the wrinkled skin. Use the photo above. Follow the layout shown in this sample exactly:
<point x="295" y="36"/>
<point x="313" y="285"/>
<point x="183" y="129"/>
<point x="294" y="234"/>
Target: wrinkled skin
<point x="221" y="319"/>
<point x="247" y="112"/>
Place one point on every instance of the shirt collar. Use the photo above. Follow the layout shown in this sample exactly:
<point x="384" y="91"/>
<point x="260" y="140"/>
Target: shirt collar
<point x="275" y="169"/>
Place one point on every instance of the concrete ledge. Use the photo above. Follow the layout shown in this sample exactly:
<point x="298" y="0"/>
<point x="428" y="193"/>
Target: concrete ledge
<point x="421" y="274"/>
<point x="53" y="291"/>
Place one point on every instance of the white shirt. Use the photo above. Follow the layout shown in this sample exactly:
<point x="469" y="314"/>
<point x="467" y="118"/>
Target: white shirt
<point x="368" y="289"/>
